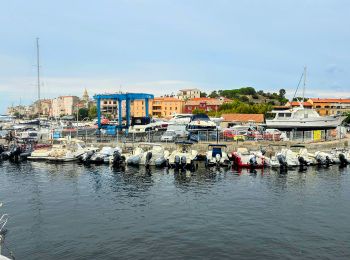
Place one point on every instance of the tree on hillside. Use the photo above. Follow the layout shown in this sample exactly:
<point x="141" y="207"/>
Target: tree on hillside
<point x="213" y="94"/>
<point x="347" y="119"/>
<point x="197" y="111"/>
<point x="282" y="96"/>
<point x="92" y="112"/>
<point x="282" y="93"/>
<point x="300" y="99"/>
<point x="83" y="113"/>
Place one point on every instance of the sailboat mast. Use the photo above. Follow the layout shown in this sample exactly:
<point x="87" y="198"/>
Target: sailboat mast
<point x="304" y="84"/>
<point x="38" y="71"/>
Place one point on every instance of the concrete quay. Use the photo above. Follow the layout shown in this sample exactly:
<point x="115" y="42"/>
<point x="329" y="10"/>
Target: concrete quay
<point x="270" y="146"/>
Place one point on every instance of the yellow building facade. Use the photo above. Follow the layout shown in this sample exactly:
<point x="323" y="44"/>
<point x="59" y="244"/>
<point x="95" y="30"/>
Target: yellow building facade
<point x="166" y="106"/>
<point x="158" y="107"/>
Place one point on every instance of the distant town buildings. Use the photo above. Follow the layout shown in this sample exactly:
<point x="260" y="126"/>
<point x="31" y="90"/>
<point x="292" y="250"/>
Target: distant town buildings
<point x="186" y="94"/>
<point x="187" y="101"/>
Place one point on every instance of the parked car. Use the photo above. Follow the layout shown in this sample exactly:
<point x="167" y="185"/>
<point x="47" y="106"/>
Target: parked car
<point x="234" y="135"/>
<point x="168" y="136"/>
<point x="272" y="135"/>
<point x="180" y="129"/>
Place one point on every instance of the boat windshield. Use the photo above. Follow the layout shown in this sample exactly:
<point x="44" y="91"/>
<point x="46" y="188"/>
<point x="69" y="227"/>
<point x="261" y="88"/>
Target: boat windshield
<point x="202" y="117"/>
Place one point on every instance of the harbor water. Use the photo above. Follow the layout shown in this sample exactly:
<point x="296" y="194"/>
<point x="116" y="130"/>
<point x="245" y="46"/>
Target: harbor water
<point x="71" y="211"/>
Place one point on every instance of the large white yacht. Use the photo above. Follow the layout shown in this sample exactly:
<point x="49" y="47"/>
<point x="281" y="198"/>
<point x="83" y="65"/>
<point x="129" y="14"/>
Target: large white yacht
<point x="302" y="118"/>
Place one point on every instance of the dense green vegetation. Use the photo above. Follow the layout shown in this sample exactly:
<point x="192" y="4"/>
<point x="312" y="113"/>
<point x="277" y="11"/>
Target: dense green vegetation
<point x="92" y="112"/>
<point x="247" y="100"/>
<point x="249" y="94"/>
<point x="242" y="108"/>
<point x="347" y="119"/>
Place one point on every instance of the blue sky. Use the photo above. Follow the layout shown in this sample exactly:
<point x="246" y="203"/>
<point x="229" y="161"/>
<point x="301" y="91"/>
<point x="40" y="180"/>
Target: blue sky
<point x="160" y="46"/>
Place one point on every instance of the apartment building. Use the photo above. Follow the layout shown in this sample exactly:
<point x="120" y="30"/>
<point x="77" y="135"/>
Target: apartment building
<point x="205" y="104"/>
<point x="64" y="105"/>
<point x="330" y="106"/>
<point x="166" y="106"/>
<point x="186" y="94"/>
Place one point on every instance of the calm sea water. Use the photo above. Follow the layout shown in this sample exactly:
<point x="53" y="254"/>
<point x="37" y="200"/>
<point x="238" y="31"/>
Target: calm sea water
<point x="76" y="212"/>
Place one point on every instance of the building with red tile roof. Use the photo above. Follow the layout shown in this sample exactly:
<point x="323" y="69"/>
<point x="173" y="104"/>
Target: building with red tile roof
<point x="330" y="106"/>
<point x="205" y="103"/>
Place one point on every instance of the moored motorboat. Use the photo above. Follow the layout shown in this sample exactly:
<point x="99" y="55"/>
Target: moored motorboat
<point x="217" y="156"/>
<point x="148" y="154"/>
<point x="103" y="156"/>
<point x="242" y="158"/>
<point x="183" y="156"/>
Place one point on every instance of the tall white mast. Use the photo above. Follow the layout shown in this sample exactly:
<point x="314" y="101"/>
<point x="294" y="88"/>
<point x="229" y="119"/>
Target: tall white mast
<point x="38" y="72"/>
<point x="304" y="83"/>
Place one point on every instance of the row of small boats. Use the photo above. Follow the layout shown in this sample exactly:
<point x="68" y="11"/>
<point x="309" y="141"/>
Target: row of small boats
<point x="183" y="156"/>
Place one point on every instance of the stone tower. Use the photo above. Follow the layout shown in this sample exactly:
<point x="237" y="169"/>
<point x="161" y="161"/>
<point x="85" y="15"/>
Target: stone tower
<point x="85" y="99"/>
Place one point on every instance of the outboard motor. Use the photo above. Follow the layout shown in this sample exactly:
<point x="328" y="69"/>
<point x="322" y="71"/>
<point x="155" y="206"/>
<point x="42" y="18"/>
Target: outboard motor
<point x="302" y="161"/>
<point x="217" y="158"/>
<point x="85" y="158"/>
<point x="177" y="162"/>
<point x="342" y="159"/>
<point x="148" y="158"/>
<point x="282" y="160"/>
<point x="183" y="161"/>
<point x="117" y="159"/>
<point x="328" y="161"/>
<point x="15" y="153"/>
<point x="252" y="162"/>
<point x="2" y="150"/>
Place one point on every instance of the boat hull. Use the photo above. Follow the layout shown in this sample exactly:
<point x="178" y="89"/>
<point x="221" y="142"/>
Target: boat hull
<point x="329" y="122"/>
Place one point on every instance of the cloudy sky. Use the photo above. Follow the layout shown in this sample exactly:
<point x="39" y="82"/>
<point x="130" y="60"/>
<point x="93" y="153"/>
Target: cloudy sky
<point x="160" y="46"/>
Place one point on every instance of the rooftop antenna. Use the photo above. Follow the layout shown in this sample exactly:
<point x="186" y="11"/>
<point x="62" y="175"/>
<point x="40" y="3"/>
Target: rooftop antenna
<point x="38" y="71"/>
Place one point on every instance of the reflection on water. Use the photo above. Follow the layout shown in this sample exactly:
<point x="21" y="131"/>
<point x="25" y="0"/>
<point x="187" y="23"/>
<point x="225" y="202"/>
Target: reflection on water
<point x="72" y="211"/>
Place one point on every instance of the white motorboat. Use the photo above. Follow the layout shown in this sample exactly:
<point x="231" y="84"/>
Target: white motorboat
<point x="201" y="122"/>
<point x="301" y="118"/>
<point x="43" y="153"/>
<point x="324" y="158"/>
<point x="103" y="156"/>
<point x="217" y="156"/>
<point x="3" y="221"/>
<point x="183" y="156"/>
<point x="148" y="154"/>
<point x="180" y="119"/>
<point x="71" y="151"/>
<point x="340" y="156"/>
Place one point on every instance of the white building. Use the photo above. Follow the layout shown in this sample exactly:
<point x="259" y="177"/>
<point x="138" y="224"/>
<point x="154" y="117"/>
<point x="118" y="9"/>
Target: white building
<point x="185" y="94"/>
<point x="64" y="105"/>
